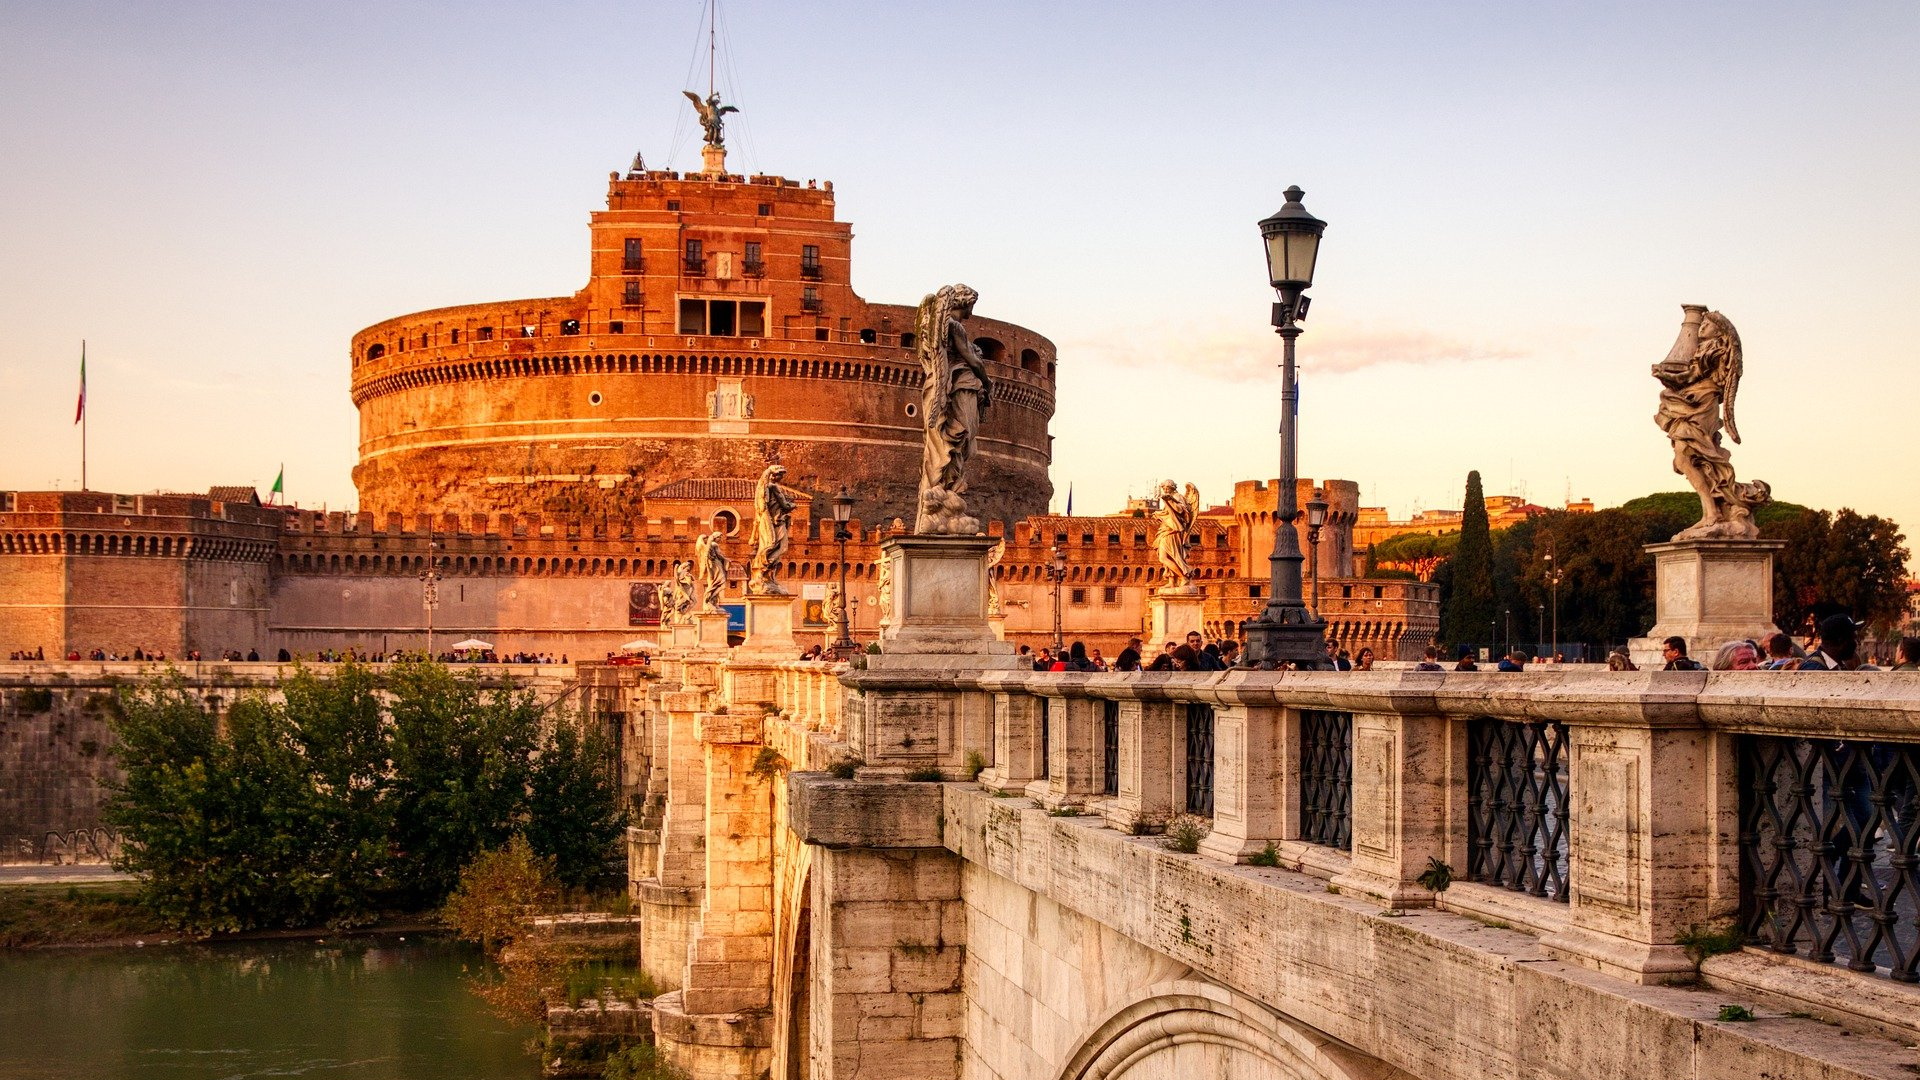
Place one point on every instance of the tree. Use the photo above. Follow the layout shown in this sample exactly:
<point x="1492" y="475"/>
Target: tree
<point x="1839" y="563"/>
<point x="573" y="803"/>
<point x="1422" y="553"/>
<point x="462" y="756"/>
<point x="1470" y="608"/>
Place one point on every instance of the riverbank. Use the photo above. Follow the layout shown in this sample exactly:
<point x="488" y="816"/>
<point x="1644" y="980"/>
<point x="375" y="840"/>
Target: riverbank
<point x="108" y="914"/>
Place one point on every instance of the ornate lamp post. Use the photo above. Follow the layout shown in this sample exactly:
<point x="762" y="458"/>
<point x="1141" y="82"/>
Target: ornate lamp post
<point x="1057" y="573"/>
<point x="842" y="514"/>
<point x="430" y="589"/>
<point x="1554" y="573"/>
<point x="1285" y="632"/>
<point x="1316" y="517"/>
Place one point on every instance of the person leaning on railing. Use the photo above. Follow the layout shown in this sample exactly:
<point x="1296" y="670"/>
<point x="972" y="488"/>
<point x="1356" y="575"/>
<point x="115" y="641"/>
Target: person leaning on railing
<point x="1906" y="655"/>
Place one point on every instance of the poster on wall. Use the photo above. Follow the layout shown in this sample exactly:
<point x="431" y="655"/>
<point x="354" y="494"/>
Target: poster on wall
<point x="813" y="605"/>
<point x="643" y="603"/>
<point x="736" y="618"/>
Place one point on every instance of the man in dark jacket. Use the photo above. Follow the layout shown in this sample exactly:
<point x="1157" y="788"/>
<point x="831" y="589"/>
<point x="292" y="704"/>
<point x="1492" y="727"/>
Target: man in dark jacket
<point x="1675" y="650"/>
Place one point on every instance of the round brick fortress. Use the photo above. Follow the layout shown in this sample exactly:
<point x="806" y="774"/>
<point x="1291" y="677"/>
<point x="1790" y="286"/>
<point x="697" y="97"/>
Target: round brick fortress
<point x="718" y="331"/>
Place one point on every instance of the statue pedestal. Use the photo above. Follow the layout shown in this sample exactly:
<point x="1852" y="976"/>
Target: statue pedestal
<point x="769" y="627"/>
<point x="1175" y="611"/>
<point x="710" y="629"/>
<point x="713" y="159"/>
<point x="683" y="636"/>
<point x="998" y="624"/>
<point x="939" y="616"/>
<point x="1709" y="592"/>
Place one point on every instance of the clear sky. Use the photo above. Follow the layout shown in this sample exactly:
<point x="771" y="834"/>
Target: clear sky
<point x="1521" y="195"/>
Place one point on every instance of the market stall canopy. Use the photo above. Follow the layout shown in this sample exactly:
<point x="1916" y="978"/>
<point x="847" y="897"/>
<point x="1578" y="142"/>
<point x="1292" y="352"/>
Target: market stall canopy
<point x="473" y="643"/>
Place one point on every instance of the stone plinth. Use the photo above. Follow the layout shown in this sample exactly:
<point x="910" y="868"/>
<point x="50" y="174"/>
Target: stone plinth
<point x="1709" y="592"/>
<point x="1175" y="611"/>
<point x="940" y="605"/>
<point x="998" y="624"/>
<point x="710" y="630"/>
<point x="682" y="635"/>
<point x="770" y="627"/>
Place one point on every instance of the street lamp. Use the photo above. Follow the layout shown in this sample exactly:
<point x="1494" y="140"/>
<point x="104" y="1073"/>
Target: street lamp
<point x="1057" y="573"/>
<point x="430" y="589"/>
<point x="1554" y="573"/>
<point x="843" y="513"/>
<point x="1285" y="632"/>
<point x="1316" y="517"/>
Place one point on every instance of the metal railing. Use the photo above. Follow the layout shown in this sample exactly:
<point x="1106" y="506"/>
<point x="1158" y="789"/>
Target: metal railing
<point x="1199" y="759"/>
<point x="1110" y="747"/>
<point x="1326" y="778"/>
<point x="1517" y="787"/>
<point x="1829" y="862"/>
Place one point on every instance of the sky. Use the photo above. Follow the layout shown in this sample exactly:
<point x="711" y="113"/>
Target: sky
<point x="1520" y="196"/>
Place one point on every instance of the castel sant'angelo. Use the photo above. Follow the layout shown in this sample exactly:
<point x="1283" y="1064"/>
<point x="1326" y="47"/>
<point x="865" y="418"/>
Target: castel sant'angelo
<point x="551" y="460"/>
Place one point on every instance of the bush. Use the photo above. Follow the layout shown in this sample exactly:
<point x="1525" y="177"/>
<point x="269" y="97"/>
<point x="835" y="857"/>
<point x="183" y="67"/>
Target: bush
<point x="573" y="804"/>
<point x="1266" y="856"/>
<point x="497" y="891"/>
<point x="927" y="775"/>
<point x="642" y="1061"/>
<point x="844" y="768"/>
<point x="976" y="764"/>
<point x="1184" y="834"/>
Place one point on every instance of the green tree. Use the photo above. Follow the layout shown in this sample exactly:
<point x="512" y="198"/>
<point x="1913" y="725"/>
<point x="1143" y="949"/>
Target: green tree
<point x="1840" y="562"/>
<point x="1471" y="604"/>
<point x="462" y="756"/>
<point x="165" y="805"/>
<point x="1420" y="553"/>
<point x="573" y="802"/>
<point x="338" y="725"/>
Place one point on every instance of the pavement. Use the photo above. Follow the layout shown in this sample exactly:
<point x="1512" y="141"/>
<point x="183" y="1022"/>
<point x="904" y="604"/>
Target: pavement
<point x="60" y="875"/>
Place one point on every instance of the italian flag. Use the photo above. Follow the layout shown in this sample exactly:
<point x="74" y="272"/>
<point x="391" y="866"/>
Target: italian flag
<point x="279" y="484"/>
<point x="80" y="409"/>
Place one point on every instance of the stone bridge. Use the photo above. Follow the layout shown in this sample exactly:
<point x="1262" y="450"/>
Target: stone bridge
<point x="953" y="873"/>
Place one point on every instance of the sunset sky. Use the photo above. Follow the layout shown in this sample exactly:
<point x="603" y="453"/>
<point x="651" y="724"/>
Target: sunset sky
<point x="1520" y="196"/>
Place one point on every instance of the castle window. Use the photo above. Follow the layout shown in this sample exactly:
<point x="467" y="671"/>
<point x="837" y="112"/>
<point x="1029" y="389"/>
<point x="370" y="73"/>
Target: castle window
<point x="753" y="265"/>
<point x="485" y="332"/>
<point x="765" y="210"/>
<point x="1030" y="360"/>
<point x="810" y="299"/>
<point x="819" y="333"/>
<point x="693" y="316"/>
<point x="907" y="341"/>
<point x="868" y="337"/>
<point x="1253" y="591"/>
<point x="993" y="351"/>
<point x="375" y="352"/>
<point x="569" y="326"/>
<point x="1220" y="539"/>
<point x="673" y="204"/>
<point x="1076" y="596"/>
<point x="632" y="259"/>
<point x="616" y="327"/>
<point x="630" y="295"/>
<point x="810" y="261"/>
<point x="1113" y="538"/>
<point x="529" y="330"/>
<point x="423" y="341"/>
<point x="695" y="262"/>
<point x="1346" y="592"/>
<point x="1086" y="539"/>
<point x="723" y="318"/>
<point x="1110" y="594"/>
<point x="1379" y="591"/>
<point x="453" y="337"/>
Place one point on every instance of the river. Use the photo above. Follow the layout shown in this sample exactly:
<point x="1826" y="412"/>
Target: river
<point x="339" y="1009"/>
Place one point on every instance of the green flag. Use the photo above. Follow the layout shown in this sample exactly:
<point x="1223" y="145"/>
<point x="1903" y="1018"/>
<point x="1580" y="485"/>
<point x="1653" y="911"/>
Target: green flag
<point x="279" y="482"/>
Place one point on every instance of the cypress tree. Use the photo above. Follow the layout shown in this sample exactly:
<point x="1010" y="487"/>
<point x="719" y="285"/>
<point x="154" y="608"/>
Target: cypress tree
<point x="1471" y="607"/>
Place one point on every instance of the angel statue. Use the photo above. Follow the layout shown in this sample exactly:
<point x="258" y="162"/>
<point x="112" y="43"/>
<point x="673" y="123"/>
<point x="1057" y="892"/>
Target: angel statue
<point x="1698" y="382"/>
<point x="956" y="397"/>
<point x="710" y="562"/>
<point x="883" y="587"/>
<point x="834" y="607"/>
<point x="712" y="115"/>
<point x="772" y="528"/>
<point x="994" y="555"/>
<point x="669" y="601"/>
<point x="1175" y="519"/>
<point x="682" y="592"/>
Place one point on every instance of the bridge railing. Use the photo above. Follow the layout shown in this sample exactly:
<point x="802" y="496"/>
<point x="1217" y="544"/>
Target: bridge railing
<point x="1615" y="814"/>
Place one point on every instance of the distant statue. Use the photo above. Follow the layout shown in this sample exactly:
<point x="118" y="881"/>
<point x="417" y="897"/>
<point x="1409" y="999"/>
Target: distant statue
<point x="639" y="166"/>
<point x="1698" y="382"/>
<point x="712" y="115"/>
<point x="710" y="560"/>
<point x="772" y="528"/>
<point x="682" y="592"/>
<point x="835" y="609"/>
<point x="883" y="588"/>
<point x="1175" y="520"/>
<point x="669" y="601"/>
<point x="956" y="397"/>
<point x="994" y="555"/>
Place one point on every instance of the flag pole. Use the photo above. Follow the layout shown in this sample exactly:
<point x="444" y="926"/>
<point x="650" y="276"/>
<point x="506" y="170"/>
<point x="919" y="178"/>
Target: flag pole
<point x="83" y="414"/>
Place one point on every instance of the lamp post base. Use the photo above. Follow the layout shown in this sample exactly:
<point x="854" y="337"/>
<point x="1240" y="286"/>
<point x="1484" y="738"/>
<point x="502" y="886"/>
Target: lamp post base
<point x="1295" y="639"/>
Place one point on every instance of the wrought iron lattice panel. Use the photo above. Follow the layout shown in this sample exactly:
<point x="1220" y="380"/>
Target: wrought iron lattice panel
<point x="1110" y="747"/>
<point x="1828" y="858"/>
<point x="1046" y="739"/>
<point x="1517" y="806"/>
<point x="1199" y="759"/>
<point x="1326" y="778"/>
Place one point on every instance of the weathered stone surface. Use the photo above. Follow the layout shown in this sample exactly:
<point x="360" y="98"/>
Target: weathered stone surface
<point x="853" y="813"/>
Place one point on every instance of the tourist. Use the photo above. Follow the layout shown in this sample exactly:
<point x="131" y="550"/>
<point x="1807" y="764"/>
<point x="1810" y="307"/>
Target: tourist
<point x="1465" y="662"/>
<point x="1835" y="647"/>
<point x="1203" y="660"/>
<point x="1365" y="660"/>
<point x="1129" y="658"/>
<point x="1906" y="655"/>
<point x="1043" y="660"/>
<point x="1618" y="660"/>
<point x="1343" y="661"/>
<point x="1782" y="653"/>
<point x="1675" y="651"/>
<point x="1432" y="660"/>
<point x="1076" y="659"/>
<point x="1229" y="653"/>
<point x="1099" y="662"/>
<point x="1737" y="656"/>
<point x="1185" y="658"/>
<point x="253" y="656"/>
<point x="1513" y="661"/>
<point x="1163" y="662"/>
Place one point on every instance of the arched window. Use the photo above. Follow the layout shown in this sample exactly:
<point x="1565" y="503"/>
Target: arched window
<point x="375" y="352"/>
<point x="1030" y="360"/>
<point x="994" y="351"/>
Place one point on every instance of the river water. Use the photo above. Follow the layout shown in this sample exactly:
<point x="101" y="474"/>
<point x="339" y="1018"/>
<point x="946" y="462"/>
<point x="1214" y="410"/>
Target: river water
<point x="342" y="1009"/>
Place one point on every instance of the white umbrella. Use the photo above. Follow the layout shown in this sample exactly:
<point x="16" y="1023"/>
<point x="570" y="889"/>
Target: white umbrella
<point x="473" y="643"/>
<point x="639" y="645"/>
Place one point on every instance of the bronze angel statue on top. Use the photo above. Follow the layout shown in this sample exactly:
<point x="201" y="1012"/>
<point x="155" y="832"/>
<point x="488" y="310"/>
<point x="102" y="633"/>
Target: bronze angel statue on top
<point x="1699" y="380"/>
<point x="712" y="115"/>
<point x="956" y="397"/>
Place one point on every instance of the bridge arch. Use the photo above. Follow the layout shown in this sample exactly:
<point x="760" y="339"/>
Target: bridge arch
<point x="1187" y="1028"/>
